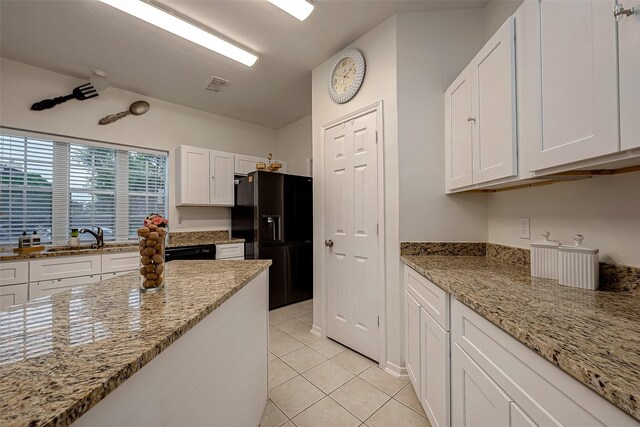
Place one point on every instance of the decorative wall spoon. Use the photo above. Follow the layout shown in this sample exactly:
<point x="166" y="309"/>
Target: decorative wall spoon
<point x="138" y="108"/>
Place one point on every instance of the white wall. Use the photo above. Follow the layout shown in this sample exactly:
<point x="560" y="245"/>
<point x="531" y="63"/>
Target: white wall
<point x="379" y="49"/>
<point x="294" y="144"/>
<point x="433" y="48"/>
<point x="496" y="12"/>
<point x="164" y="127"/>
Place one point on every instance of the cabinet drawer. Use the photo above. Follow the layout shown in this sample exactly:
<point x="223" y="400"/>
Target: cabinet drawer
<point x="13" y="273"/>
<point x="106" y="276"/>
<point x="13" y="294"/>
<point x="231" y="250"/>
<point x="50" y="287"/>
<point x="434" y="300"/>
<point x="64" y="267"/>
<point x="121" y="261"/>
<point x="541" y="390"/>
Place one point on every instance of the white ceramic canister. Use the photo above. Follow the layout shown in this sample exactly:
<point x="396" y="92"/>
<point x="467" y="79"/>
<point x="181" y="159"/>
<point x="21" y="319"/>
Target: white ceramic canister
<point x="544" y="257"/>
<point x="578" y="266"/>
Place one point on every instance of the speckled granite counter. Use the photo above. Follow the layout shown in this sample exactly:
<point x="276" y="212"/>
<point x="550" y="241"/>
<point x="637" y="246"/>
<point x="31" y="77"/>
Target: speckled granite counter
<point x="594" y="336"/>
<point x="60" y="355"/>
<point x="193" y="238"/>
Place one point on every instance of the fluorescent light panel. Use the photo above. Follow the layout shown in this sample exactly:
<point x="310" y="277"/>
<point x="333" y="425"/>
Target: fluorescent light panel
<point x="184" y="29"/>
<point x="301" y="9"/>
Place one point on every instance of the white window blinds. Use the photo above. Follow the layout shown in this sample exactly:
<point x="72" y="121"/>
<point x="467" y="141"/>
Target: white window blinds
<point x="54" y="185"/>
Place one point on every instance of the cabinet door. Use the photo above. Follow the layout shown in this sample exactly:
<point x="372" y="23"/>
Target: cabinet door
<point x="50" y="287"/>
<point x="412" y="340"/>
<point x="494" y="95"/>
<point x="246" y="164"/>
<point x="434" y="383"/>
<point x="193" y="175"/>
<point x="221" y="166"/>
<point x="54" y="268"/>
<point x="13" y="294"/>
<point x="13" y="273"/>
<point x="579" y="82"/>
<point x="629" y="57"/>
<point x="120" y="262"/>
<point x="458" y="103"/>
<point x="476" y="400"/>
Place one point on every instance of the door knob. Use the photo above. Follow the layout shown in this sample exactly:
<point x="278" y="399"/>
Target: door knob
<point x="328" y="243"/>
<point x="620" y="12"/>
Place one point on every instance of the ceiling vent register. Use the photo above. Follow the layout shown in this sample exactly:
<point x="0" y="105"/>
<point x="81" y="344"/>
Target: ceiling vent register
<point x="216" y="84"/>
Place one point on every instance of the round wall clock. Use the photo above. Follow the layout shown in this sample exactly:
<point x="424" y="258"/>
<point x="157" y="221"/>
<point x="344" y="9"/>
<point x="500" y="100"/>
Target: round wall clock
<point x="347" y="75"/>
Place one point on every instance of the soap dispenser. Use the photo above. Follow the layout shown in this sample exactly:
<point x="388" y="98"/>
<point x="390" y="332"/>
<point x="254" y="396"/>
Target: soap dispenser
<point x="544" y="257"/>
<point x="578" y="266"/>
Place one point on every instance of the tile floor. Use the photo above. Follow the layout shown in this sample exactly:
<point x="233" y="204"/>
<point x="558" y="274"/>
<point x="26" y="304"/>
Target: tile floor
<point x="316" y="382"/>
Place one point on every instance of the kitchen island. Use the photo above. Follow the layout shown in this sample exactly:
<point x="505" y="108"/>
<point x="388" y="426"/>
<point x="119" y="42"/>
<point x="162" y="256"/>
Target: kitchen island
<point x="194" y="353"/>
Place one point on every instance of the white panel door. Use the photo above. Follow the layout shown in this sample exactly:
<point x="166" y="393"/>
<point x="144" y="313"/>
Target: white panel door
<point x="578" y="62"/>
<point x="193" y="175"/>
<point x="629" y="57"/>
<point x="412" y="340"/>
<point x="221" y="189"/>
<point x="476" y="400"/>
<point x="458" y="103"/>
<point x="13" y="294"/>
<point x="434" y="379"/>
<point x="351" y="222"/>
<point x="494" y="131"/>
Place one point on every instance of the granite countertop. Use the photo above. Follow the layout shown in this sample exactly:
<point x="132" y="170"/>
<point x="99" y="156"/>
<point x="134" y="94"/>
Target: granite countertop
<point x="61" y="354"/>
<point x="592" y="335"/>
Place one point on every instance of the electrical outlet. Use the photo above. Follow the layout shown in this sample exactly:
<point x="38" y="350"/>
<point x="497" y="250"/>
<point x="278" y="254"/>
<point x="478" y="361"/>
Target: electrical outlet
<point x="525" y="232"/>
<point x="179" y="222"/>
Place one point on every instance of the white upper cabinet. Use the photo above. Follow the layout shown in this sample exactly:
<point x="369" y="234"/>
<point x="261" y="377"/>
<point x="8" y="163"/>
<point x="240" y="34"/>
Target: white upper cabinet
<point x="247" y="164"/>
<point x="458" y="103"/>
<point x="579" y="82"/>
<point x="221" y="186"/>
<point x="480" y="116"/>
<point x="629" y="57"/>
<point x="494" y="96"/>
<point x="204" y="177"/>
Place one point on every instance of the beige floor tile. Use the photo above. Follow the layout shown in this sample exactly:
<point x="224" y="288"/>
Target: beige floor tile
<point x="279" y="315"/>
<point x="288" y="424"/>
<point x="307" y="304"/>
<point x="303" y="359"/>
<point x="307" y="319"/>
<point x="272" y="416"/>
<point x="394" y="413"/>
<point x="279" y="372"/>
<point x="353" y="362"/>
<point x="305" y="336"/>
<point x="408" y="397"/>
<point x="295" y="396"/>
<point x="328" y="376"/>
<point x="383" y="381"/>
<point x="296" y="311"/>
<point x="327" y="347"/>
<point x="271" y="357"/>
<point x="291" y="325"/>
<point x="360" y="398"/>
<point x="275" y="332"/>
<point x="281" y="345"/>
<point x="326" y="413"/>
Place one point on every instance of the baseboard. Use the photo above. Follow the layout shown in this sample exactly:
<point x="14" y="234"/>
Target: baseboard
<point x="395" y="370"/>
<point x="315" y="330"/>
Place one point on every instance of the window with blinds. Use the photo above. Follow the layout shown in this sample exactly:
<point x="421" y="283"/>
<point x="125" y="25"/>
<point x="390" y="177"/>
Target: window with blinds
<point x="52" y="186"/>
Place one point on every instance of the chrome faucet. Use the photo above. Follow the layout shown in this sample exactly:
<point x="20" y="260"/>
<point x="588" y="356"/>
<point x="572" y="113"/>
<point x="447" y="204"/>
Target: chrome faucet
<point x="99" y="236"/>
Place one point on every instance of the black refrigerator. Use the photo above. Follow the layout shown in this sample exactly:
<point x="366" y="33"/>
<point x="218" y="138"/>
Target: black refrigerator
<point x="274" y="214"/>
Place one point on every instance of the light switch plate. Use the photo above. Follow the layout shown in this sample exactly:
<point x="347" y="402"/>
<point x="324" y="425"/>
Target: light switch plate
<point x="525" y="231"/>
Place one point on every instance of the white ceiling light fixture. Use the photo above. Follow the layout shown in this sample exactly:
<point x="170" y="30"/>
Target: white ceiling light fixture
<point x="184" y="29"/>
<point x="301" y="9"/>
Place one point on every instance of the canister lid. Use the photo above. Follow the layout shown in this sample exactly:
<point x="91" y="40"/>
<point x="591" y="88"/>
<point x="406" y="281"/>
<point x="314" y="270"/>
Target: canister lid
<point x="546" y="243"/>
<point x="577" y="246"/>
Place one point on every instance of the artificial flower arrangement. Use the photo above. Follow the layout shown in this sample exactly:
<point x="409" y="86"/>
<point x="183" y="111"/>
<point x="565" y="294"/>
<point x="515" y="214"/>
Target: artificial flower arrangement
<point x="157" y="220"/>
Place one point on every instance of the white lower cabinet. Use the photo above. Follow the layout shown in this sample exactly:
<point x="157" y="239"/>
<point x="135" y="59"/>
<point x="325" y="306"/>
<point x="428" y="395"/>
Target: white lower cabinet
<point x="498" y="381"/>
<point x="49" y="287"/>
<point x="434" y="379"/>
<point x="120" y="262"/>
<point x="427" y="344"/>
<point x="230" y="251"/>
<point x="13" y="294"/>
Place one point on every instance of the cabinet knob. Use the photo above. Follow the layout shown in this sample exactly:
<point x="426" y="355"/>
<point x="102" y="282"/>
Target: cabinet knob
<point x="471" y="119"/>
<point x="620" y="12"/>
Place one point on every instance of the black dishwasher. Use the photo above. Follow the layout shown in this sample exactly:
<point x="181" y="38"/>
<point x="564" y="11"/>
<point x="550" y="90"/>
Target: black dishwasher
<point x="190" y="253"/>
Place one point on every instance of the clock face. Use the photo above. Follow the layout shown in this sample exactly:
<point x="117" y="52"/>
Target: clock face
<point x="346" y="75"/>
<point x="343" y="75"/>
